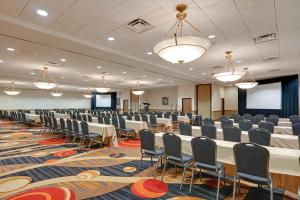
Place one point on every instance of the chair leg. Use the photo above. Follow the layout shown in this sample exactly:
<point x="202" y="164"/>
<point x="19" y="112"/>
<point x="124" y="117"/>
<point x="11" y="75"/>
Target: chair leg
<point x="140" y="162"/>
<point x="234" y="187"/>
<point x="183" y="174"/>
<point x="151" y="161"/>
<point x="159" y="158"/>
<point x="192" y="178"/>
<point x="162" y="175"/>
<point x="271" y="190"/>
<point x="90" y="145"/>
<point x="218" y="188"/>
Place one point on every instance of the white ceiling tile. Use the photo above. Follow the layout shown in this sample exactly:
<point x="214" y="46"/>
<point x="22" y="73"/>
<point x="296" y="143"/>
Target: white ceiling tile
<point x="12" y="7"/>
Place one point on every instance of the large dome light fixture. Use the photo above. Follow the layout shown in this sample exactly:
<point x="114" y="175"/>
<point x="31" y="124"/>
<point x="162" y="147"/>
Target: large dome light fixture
<point x="229" y="76"/>
<point x="181" y="49"/>
<point x="57" y="92"/>
<point x="11" y="90"/>
<point x="88" y="94"/>
<point x="103" y="89"/>
<point x="138" y="91"/>
<point x="247" y="81"/>
<point x="45" y="82"/>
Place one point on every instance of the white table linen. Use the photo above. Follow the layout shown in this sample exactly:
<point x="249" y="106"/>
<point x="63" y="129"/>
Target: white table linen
<point x="34" y="117"/>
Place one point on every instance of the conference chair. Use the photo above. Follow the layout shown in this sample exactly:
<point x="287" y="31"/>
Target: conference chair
<point x="174" y="155"/>
<point x="182" y="114"/>
<point x="295" y="120"/>
<point x="166" y="115"/>
<point x="175" y="121"/>
<point x="296" y="129"/>
<point x="256" y="120"/>
<point x="100" y="120"/>
<point x="153" y="123"/>
<point x="115" y="123"/>
<point x="129" y="117"/>
<point x="87" y="135"/>
<point x="137" y="117"/>
<point x="232" y="134"/>
<point x="190" y="116"/>
<point x="107" y="120"/>
<point x="159" y="115"/>
<point x="185" y="129"/>
<point x="267" y="126"/>
<point x="223" y="117"/>
<point x="84" y="118"/>
<point x="247" y="116"/>
<point x="70" y="130"/>
<point x="245" y="125"/>
<point x="226" y="122"/>
<point x="209" y="131"/>
<point x="260" y="136"/>
<point x="125" y="130"/>
<point x="77" y="132"/>
<point x="274" y="116"/>
<point x="197" y="121"/>
<point x="293" y="117"/>
<point x="237" y="118"/>
<point x="63" y="127"/>
<point x="209" y="121"/>
<point x="148" y="148"/>
<point x="205" y="158"/>
<point x="79" y="117"/>
<point x="273" y="120"/>
<point x="90" y="118"/>
<point x="245" y="155"/>
<point x="145" y="118"/>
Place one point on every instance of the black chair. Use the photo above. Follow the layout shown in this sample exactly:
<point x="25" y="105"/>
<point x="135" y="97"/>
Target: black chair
<point x="197" y="121"/>
<point x="293" y="117"/>
<point x="256" y="120"/>
<point x="70" y="130"/>
<point x="137" y="117"/>
<point x="115" y="123"/>
<point x="185" y="129"/>
<point x="252" y="164"/>
<point x="123" y="128"/>
<point x="260" y="136"/>
<point x="63" y="127"/>
<point x="232" y="134"/>
<point x="86" y="135"/>
<point x="145" y="118"/>
<point x="175" y="121"/>
<point x="295" y="120"/>
<point x="182" y="114"/>
<point x="209" y="121"/>
<point x="245" y="125"/>
<point x="79" y="118"/>
<point x="90" y="119"/>
<point x="296" y="129"/>
<point x="129" y="117"/>
<point x="153" y="123"/>
<point x="159" y="115"/>
<point x="174" y="155"/>
<point x="226" y="122"/>
<point x="107" y="120"/>
<point x="274" y="116"/>
<point x="190" y="116"/>
<point x="77" y="132"/>
<point x="299" y="140"/>
<point x="100" y="120"/>
<point x="273" y="120"/>
<point x="223" y="117"/>
<point x="209" y="131"/>
<point x="237" y="118"/>
<point x="166" y="115"/>
<point x="148" y="148"/>
<point x="267" y="126"/>
<point x="260" y="116"/>
<point x="247" y="116"/>
<point x="84" y="118"/>
<point x="205" y="158"/>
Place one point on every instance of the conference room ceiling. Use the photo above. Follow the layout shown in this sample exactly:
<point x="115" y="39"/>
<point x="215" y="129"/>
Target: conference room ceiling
<point x="78" y="31"/>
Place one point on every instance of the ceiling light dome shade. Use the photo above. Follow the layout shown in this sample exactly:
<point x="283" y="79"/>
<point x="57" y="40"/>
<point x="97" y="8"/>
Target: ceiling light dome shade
<point x="103" y="89"/>
<point x="138" y="92"/>
<point x="45" y="82"/>
<point x="181" y="49"/>
<point x="45" y="85"/>
<point x="228" y="76"/>
<point x="11" y="90"/>
<point x="88" y="96"/>
<point x="56" y="94"/>
<point x="246" y="85"/>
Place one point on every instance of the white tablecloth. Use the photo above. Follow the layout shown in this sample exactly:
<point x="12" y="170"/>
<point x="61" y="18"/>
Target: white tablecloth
<point x="277" y="129"/>
<point x="136" y="125"/>
<point x="60" y="115"/>
<point x="277" y="140"/>
<point x="34" y="117"/>
<point x="282" y="161"/>
<point x="185" y="119"/>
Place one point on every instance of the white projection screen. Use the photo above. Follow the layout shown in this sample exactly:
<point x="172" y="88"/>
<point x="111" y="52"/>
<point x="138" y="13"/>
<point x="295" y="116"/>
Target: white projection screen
<point x="103" y="100"/>
<point x="265" y="96"/>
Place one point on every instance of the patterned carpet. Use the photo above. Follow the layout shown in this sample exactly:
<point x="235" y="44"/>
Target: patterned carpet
<point x="34" y="167"/>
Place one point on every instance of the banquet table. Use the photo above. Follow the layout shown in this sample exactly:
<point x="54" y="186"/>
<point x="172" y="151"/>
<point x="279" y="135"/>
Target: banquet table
<point x="60" y="115"/>
<point x="136" y="125"/>
<point x="282" y="161"/>
<point x="185" y="119"/>
<point x="277" y="140"/>
<point x="286" y="130"/>
<point x="34" y="117"/>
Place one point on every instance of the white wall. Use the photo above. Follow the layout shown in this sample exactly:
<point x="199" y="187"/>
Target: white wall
<point x="216" y="95"/>
<point x="231" y="98"/>
<point x="123" y="95"/>
<point x="154" y="97"/>
<point x="41" y="99"/>
<point x="187" y="91"/>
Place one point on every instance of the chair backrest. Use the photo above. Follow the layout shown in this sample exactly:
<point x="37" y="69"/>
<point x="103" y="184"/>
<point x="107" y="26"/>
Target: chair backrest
<point x="256" y="120"/>
<point x="84" y="118"/>
<point x="106" y="120"/>
<point x="100" y="120"/>
<point x="172" y="145"/>
<point x="295" y="120"/>
<point x="273" y="120"/>
<point x="79" y="118"/>
<point x="299" y="140"/>
<point x="147" y="138"/>
<point x="69" y="125"/>
<point x="273" y="116"/>
<point x="75" y="126"/>
<point x="226" y="122"/>
<point x="166" y="115"/>
<point x="223" y="117"/>
<point x="84" y="128"/>
<point x="198" y="120"/>
<point x="115" y="122"/>
<point x="129" y="117"/>
<point x="204" y="151"/>
<point x="260" y="116"/>
<point x="293" y="117"/>
<point x="137" y="117"/>
<point x="260" y="136"/>
<point x="247" y="116"/>
<point x="232" y="134"/>
<point x="185" y="129"/>
<point x="251" y="159"/>
<point x="122" y="123"/>
<point x="190" y="115"/>
<point x="296" y="129"/>
<point x="237" y="118"/>
<point x="90" y="119"/>
<point x="209" y="121"/>
<point x="145" y="118"/>
<point x="245" y="125"/>
<point x="153" y="119"/>
<point x="182" y="114"/>
<point x="209" y="131"/>
<point x="159" y="115"/>
<point x="54" y="122"/>
<point x="267" y="126"/>
<point x="174" y="117"/>
<point x="62" y="124"/>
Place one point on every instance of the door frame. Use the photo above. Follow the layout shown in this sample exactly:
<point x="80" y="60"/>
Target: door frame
<point x="182" y="103"/>
<point x="124" y="100"/>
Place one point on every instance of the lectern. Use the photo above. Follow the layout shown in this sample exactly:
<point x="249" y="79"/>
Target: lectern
<point x="146" y="107"/>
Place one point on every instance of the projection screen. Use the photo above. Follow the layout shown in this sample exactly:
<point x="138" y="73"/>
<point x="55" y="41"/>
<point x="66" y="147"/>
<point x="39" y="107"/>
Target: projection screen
<point x="265" y="96"/>
<point x="103" y="100"/>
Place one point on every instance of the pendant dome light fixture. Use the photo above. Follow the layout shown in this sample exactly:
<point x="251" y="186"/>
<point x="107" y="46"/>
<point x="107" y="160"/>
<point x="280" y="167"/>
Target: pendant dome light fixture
<point x="103" y="89"/>
<point x="228" y="76"/>
<point x="45" y="82"/>
<point x="88" y="94"/>
<point x="11" y="90"/>
<point x="57" y="92"/>
<point x="247" y="81"/>
<point x="138" y="91"/>
<point x="180" y="48"/>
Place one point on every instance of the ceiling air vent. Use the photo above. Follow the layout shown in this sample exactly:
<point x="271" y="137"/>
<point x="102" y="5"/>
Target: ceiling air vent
<point x="139" y="25"/>
<point x="265" y="38"/>
<point x="274" y="70"/>
<point x="272" y="59"/>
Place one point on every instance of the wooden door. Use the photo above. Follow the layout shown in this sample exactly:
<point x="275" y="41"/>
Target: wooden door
<point x="134" y="100"/>
<point x="204" y="100"/>
<point x="186" y="105"/>
<point x="222" y="106"/>
<point x="125" y="105"/>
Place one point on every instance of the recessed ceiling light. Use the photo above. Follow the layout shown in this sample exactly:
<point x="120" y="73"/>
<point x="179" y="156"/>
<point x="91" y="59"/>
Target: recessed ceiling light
<point x="172" y="81"/>
<point x="211" y="36"/>
<point x="32" y="73"/>
<point x="1" y="61"/>
<point x="203" y="73"/>
<point x="63" y="60"/>
<point x="191" y="69"/>
<point x="99" y="67"/>
<point x="86" y="80"/>
<point x="159" y="79"/>
<point x="10" y="49"/>
<point x="62" y="77"/>
<point x="77" y="72"/>
<point x="124" y="72"/>
<point x="110" y="38"/>
<point x="42" y="12"/>
<point x="144" y="76"/>
<point x="105" y="73"/>
<point x="239" y="61"/>
<point x="122" y="79"/>
<point x="149" y="53"/>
